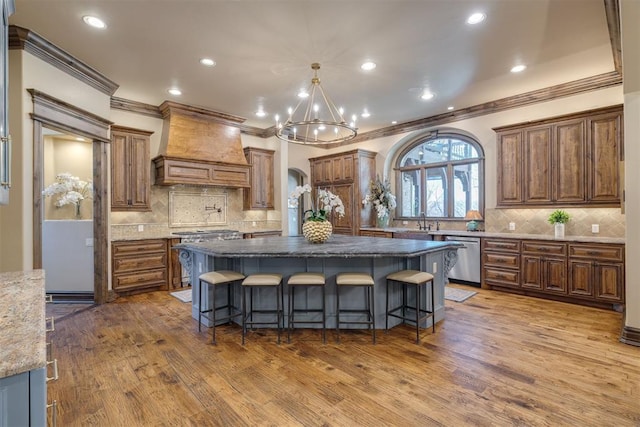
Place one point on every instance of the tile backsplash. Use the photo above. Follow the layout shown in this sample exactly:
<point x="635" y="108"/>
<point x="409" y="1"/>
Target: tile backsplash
<point x="534" y="221"/>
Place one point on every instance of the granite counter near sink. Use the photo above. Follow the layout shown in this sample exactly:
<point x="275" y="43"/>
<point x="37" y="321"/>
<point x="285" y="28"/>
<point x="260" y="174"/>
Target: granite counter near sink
<point x="22" y="322"/>
<point x="464" y="233"/>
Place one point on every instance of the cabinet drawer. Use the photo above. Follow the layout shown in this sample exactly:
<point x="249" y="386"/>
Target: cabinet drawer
<point x="501" y="260"/>
<point x="597" y="252"/>
<point x="544" y="248"/>
<point x="501" y="245"/>
<point x="501" y="277"/>
<point x="143" y="279"/>
<point x="140" y="262"/>
<point x="137" y="246"/>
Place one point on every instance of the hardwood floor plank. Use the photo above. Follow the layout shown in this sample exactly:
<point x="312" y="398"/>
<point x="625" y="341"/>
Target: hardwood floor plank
<point x="497" y="360"/>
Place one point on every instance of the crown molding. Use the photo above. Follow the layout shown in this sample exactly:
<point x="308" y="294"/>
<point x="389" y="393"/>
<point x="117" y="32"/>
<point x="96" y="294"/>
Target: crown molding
<point x="612" y="10"/>
<point x="135" y="107"/>
<point x="24" y="39"/>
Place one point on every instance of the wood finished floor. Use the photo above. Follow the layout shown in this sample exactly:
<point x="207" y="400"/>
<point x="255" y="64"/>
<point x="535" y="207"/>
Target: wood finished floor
<point x="497" y="360"/>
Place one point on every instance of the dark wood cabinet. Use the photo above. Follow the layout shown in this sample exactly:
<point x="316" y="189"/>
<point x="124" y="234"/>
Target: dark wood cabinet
<point x="580" y="273"/>
<point x="348" y="176"/>
<point x="568" y="160"/>
<point x="130" y="169"/>
<point x="139" y="265"/>
<point x="261" y="234"/>
<point x="261" y="174"/>
<point x="175" y="268"/>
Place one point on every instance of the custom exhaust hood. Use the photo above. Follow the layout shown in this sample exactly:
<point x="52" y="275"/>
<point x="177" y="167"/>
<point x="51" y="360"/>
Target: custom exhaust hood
<point x="200" y="147"/>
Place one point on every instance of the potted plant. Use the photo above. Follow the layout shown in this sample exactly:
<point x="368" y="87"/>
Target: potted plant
<point x="559" y="218"/>
<point x="316" y="227"/>
<point x="382" y="199"/>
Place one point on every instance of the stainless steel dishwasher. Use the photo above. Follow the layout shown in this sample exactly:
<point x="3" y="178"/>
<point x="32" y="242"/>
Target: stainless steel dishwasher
<point x="467" y="268"/>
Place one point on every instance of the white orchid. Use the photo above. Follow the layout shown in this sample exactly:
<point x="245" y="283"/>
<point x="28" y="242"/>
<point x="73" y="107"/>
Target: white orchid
<point x="72" y="190"/>
<point x="381" y="197"/>
<point x="325" y="204"/>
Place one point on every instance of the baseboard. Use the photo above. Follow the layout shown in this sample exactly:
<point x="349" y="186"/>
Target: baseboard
<point x="630" y="336"/>
<point x="70" y="297"/>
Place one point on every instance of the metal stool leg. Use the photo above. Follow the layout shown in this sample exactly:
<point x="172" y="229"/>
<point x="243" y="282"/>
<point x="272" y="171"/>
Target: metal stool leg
<point x="338" y="314"/>
<point x="417" y="314"/>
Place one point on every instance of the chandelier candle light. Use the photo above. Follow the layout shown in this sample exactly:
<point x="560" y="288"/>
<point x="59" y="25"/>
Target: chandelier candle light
<point x="316" y="227"/>
<point x="315" y="120"/>
<point x="382" y="199"/>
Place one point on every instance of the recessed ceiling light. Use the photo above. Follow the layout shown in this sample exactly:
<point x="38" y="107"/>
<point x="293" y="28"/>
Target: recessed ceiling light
<point x="368" y="66"/>
<point x="175" y="91"/>
<point x="365" y="114"/>
<point x="261" y="113"/>
<point x="426" y="95"/>
<point x="394" y="122"/>
<point x="94" y="21"/>
<point x="208" y="62"/>
<point x="518" y="68"/>
<point x="450" y="107"/>
<point x="476" y="18"/>
<point x="79" y="138"/>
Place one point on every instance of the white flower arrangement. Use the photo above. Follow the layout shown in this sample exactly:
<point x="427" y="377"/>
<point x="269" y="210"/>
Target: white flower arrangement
<point x="71" y="190"/>
<point x="325" y="204"/>
<point x="381" y="197"/>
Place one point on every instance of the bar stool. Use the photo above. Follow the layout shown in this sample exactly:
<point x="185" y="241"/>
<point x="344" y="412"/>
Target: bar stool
<point x="262" y="280"/>
<point x="213" y="279"/>
<point x="366" y="282"/>
<point x="306" y="280"/>
<point x="411" y="278"/>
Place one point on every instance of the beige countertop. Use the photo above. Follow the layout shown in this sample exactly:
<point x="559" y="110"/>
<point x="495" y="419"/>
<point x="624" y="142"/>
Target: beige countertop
<point x="581" y="239"/>
<point x="22" y="322"/>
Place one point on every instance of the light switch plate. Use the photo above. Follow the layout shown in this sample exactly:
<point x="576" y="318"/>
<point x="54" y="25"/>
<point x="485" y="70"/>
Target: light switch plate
<point x="595" y="228"/>
<point x="140" y="227"/>
<point x="512" y="226"/>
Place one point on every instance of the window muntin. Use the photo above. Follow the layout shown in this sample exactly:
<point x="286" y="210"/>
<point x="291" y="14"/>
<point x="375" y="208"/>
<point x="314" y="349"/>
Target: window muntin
<point x="441" y="177"/>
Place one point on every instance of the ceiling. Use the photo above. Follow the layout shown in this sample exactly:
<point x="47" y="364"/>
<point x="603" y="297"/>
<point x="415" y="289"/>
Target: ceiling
<point x="264" y="49"/>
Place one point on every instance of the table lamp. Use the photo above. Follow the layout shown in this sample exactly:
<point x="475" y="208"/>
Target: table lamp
<point x="473" y="217"/>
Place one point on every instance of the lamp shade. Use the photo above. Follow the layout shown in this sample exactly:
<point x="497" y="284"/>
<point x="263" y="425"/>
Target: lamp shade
<point x="473" y="215"/>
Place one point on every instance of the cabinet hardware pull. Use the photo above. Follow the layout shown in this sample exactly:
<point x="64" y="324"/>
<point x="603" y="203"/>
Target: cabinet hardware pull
<point x="48" y="298"/>
<point x="593" y="253"/>
<point x="5" y="161"/>
<point x="54" y="362"/>
<point x="49" y="320"/>
<point x="54" y="412"/>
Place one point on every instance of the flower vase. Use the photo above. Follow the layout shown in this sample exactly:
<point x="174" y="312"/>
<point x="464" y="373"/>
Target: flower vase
<point x="317" y="231"/>
<point x="383" y="221"/>
<point x="559" y="231"/>
<point x="78" y="210"/>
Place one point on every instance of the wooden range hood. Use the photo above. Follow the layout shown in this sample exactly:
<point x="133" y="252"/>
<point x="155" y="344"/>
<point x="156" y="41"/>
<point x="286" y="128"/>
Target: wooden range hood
<point x="200" y="147"/>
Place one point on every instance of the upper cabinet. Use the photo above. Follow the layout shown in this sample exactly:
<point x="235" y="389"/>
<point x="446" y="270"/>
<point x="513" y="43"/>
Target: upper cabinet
<point x="348" y="176"/>
<point x="130" y="169"/>
<point x="260" y="195"/>
<point x="568" y="160"/>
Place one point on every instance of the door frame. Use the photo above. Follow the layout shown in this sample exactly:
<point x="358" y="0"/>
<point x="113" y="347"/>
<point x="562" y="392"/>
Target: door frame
<point x="55" y="114"/>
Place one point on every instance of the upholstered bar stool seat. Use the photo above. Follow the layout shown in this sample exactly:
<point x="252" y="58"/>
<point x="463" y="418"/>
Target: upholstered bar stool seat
<point x="213" y="279"/>
<point x="418" y="314"/>
<point x="262" y="280"/>
<point x="306" y="280"/>
<point x="366" y="282"/>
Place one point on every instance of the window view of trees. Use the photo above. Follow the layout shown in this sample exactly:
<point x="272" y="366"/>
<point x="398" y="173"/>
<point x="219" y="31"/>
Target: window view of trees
<point x="440" y="177"/>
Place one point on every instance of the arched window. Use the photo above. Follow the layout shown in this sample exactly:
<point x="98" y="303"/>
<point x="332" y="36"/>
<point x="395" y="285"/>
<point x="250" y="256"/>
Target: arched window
<point x="441" y="176"/>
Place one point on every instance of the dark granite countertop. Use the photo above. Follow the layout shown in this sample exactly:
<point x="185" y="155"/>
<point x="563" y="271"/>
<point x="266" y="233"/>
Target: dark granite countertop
<point x="336" y="246"/>
<point x="577" y="239"/>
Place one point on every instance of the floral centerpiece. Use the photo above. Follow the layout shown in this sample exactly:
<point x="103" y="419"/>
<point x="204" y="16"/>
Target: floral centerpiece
<point x="382" y="199"/>
<point x="70" y="190"/>
<point x="316" y="227"/>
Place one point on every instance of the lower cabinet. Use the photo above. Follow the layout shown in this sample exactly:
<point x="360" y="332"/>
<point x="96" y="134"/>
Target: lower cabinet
<point x="175" y="268"/>
<point x="376" y="233"/>
<point x="139" y="265"/>
<point x="582" y="273"/>
<point x="259" y="234"/>
<point x="23" y="399"/>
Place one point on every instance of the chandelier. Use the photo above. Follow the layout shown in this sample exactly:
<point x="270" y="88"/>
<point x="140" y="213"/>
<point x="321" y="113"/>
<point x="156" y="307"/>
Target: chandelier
<point x="315" y="120"/>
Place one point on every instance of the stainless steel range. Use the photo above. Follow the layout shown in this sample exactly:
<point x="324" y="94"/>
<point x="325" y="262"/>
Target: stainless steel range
<point x="198" y="236"/>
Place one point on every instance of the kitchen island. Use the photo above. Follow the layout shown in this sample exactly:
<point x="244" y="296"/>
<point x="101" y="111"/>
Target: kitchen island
<point x="287" y="255"/>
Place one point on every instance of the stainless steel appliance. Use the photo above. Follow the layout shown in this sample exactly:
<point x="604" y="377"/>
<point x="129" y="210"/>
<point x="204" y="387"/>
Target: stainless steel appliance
<point x="467" y="268"/>
<point x="198" y="236"/>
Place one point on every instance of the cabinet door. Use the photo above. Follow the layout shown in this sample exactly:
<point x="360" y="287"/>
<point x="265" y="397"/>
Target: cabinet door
<point x="139" y="176"/>
<point x="604" y="157"/>
<point x="555" y="275"/>
<point x="580" y="278"/>
<point x="537" y="165"/>
<point x="260" y="195"/>
<point x="532" y="272"/>
<point x="119" y="171"/>
<point x="510" y="168"/>
<point x="337" y="169"/>
<point x="569" y="164"/>
<point x="608" y="278"/>
<point x="344" y="225"/>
